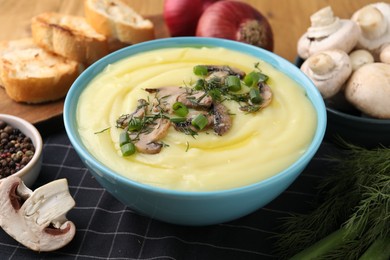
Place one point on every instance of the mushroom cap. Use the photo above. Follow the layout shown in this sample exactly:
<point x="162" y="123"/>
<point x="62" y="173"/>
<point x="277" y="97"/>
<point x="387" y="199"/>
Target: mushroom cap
<point x="374" y="22"/>
<point x="38" y="219"/>
<point x="368" y="89"/>
<point x="385" y="55"/>
<point x="328" y="70"/>
<point x="359" y="58"/>
<point x="344" y="38"/>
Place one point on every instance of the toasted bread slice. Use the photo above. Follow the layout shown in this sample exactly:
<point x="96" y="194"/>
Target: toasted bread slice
<point x="69" y="36"/>
<point x="9" y="46"/>
<point x="33" y="75"/>
<point x="117" y="20"/>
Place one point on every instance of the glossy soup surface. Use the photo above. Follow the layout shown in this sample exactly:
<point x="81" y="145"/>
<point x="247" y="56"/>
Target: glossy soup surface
<point x="257" y="146"/>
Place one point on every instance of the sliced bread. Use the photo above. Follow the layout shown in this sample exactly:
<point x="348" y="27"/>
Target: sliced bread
<point x="9" y="46"/>
<point x="69" y="36"/>
<point x="33" y="75"/>
<point x="117" y="20"/>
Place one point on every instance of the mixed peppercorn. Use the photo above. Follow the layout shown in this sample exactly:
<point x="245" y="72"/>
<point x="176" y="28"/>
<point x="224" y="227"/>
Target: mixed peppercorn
<point x="16" y="150"/>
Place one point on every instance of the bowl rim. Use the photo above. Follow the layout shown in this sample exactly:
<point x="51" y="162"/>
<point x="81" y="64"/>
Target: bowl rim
<point x="288" y="68"/>
<point x="360" y="119"/>
<point x="36" y="138"/>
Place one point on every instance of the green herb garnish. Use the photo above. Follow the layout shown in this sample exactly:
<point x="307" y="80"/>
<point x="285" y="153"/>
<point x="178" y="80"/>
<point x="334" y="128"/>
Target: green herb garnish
<point x="233" y="83"/>
<point x="128" y="149"/>
<point x="352" y="217"/>
<point x="103" y="130"/>
<point x="178" y="119"/>
<point x="180" y="109"/>
<point x="254" y="95"/>
<point x="200" y="70"/>
<point x="200" y="121"/>
<point x="124" y="138"/>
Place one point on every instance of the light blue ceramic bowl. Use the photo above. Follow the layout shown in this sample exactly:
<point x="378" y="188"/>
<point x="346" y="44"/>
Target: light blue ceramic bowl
<point x="192" y="208"/>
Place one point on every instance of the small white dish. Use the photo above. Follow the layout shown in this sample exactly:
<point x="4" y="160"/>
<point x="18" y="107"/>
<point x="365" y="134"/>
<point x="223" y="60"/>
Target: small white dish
<point x="30" y="172"/>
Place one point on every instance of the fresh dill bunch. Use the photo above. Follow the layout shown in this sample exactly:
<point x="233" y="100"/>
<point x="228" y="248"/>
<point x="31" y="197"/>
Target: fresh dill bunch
<point x="369" y="222"/>
<point x="355" y="202"/>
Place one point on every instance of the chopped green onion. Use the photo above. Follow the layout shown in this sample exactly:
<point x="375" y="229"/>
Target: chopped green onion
<point x="254" y="77"/>
<point x="128" y="149"/>
<point x="124" y="138"/>
<point x="233" y="83"/>
<point x="254" y="95"/>
<point x="177" y="119"/>
<point x="180" y="109"/>
<point x="200" y="70"/>
<point x="200" y="121"/>
<point x="199" y="85"/>
<point x="263" y="77"/>
<point x="251" y="78"/>
<point x="135" y="124"/>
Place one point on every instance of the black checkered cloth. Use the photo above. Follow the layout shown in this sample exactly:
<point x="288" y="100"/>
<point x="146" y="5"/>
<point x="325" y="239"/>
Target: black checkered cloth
<point x="106" y="229"/>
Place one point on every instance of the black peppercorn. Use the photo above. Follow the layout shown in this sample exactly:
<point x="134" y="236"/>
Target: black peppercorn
<point x="16" y="150"/>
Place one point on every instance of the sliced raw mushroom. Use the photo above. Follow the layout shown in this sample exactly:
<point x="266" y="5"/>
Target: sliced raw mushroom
<point x="328" y="70"/>
<point x="359" y="58"/>
<point x="374" y="22"/>
<point x="37" y="219"/>
<point x="327" y="32"/>
<point x="368" y="89"/>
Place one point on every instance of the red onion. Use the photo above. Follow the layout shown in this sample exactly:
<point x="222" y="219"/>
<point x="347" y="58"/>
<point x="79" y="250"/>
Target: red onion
<point x="236" y="21"/>
<point x="181" y="16"/>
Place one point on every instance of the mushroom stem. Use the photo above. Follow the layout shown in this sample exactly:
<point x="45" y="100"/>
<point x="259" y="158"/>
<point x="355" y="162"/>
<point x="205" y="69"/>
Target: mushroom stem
<point x="321" y="64"/>
<point x="372" y="22"/>
<point x="323" y="23"/>
<point x="328" y="70"/>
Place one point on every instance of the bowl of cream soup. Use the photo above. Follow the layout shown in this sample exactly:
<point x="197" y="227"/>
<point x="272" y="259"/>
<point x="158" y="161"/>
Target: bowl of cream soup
<point x="194" y="131"/>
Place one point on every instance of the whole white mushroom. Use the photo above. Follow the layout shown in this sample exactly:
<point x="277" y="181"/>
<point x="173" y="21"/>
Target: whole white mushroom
<point x="328" y="70"/>
<point x="368" y="89"/>
<point x="328" y="32"/>
<point x="374" y="23"/>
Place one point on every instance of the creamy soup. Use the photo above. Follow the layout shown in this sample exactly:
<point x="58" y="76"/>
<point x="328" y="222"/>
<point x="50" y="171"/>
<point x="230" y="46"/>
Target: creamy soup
<point x="257" y="146"/>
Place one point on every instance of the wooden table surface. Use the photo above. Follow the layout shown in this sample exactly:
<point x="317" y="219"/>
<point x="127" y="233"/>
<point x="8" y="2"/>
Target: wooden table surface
<point x="289" y="19"/>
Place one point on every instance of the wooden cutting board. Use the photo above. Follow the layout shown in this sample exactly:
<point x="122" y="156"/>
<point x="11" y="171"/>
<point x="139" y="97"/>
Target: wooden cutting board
<point x="39" y="113"/>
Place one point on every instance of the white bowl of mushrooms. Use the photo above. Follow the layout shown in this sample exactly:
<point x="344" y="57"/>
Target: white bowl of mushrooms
<point x="349" y="62"/>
